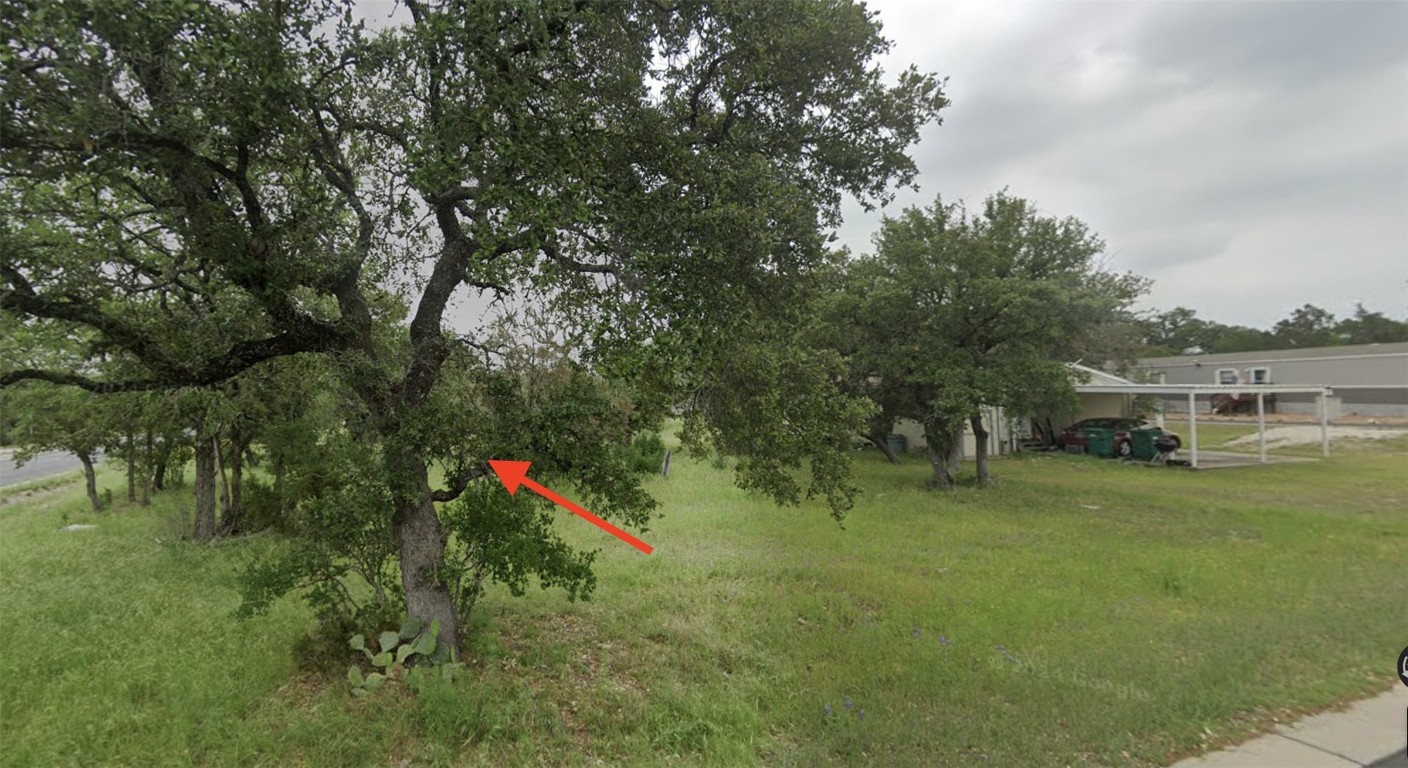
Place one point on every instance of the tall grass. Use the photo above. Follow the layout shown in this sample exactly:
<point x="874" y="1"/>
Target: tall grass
<point x="1081" y="612"/>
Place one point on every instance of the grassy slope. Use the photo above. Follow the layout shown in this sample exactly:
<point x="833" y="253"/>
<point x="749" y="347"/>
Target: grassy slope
<point x="1082" y="612"/>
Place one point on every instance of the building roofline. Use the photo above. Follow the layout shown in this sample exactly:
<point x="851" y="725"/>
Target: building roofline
<point x="1390" y="349"/>
<point x="1202" y="389"/>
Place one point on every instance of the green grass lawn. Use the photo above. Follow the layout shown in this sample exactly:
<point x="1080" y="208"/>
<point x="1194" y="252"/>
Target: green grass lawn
<point x="1080" y="613"/>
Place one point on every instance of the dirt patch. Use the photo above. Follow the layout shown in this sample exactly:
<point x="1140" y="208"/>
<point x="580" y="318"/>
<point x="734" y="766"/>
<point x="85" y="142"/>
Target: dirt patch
<point x="1296" y="418"/>
<point x="32" y="494"/>
<point x="1300" y="435"/>
<point x="594" y="673"/>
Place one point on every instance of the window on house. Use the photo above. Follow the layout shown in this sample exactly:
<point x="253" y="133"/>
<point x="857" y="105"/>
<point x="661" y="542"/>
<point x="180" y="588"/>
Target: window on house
<point x="1227" y="376"/>
<point x="1259" y="375"/>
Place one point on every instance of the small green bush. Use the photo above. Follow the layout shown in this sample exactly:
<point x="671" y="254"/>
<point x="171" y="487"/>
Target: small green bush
<point x="647" y="452"/>
<point x="263" y="507"/>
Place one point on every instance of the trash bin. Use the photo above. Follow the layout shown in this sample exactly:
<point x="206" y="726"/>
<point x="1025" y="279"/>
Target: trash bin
<point x="1100" y="442"/>
<point x="1142" y="442"/>
<point x="896" y="443"/>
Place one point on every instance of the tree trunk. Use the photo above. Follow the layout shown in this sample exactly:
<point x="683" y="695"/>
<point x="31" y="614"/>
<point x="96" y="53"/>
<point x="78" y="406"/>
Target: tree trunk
<point x="159" y="476"/>
<point x="224" y="484"/>
<point x="940" y="439"/>
<point x="147" y="455"/>
<point x="279" y="483"/>
<point x="421" y="545"/>
<point x="878" y="440"/>
<point x="955" y="449"/>
<point x="205" y="488"/>
<point x="131" y="467"/>
<point x="90" y="481"/>
<point x="980" y="439"/>
<point x="233" y="521"/>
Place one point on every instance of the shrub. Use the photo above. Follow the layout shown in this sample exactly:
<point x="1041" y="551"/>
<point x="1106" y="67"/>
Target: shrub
<point x="647" y="451"/>
<point x="263" y="507"/>
<point x="340" y="551"/>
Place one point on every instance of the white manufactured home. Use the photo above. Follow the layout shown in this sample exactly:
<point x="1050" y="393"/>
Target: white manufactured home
<point x="1366" y="379"/>
<point x="1005" y="434"/>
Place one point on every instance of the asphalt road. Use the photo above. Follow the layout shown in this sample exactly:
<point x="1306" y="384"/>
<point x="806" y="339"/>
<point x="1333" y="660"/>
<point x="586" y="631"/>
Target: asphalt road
<point x="41" y="466"/>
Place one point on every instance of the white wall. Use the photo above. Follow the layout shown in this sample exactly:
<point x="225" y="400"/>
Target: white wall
<point x="996" y="425"/>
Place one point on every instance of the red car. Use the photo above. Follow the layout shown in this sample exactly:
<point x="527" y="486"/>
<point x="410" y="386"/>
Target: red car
<point x="1075" y="434"/>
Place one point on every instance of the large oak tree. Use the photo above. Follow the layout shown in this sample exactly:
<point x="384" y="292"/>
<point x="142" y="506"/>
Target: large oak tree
<point x="210" y="185"/>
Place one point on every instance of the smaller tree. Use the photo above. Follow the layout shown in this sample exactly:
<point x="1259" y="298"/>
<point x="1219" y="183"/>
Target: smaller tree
<point x="958" y="312"/>
<point x="47" y="417"/>
<point x="55" y="418"/>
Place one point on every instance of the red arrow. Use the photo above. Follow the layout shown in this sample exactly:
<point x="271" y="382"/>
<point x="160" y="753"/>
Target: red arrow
<point x="515" y="473"/>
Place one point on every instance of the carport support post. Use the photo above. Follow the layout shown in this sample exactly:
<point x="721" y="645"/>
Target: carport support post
<point x="1193" y="426"/>
<point x="1261" y="424"/>
<point x="1324" y="424"/>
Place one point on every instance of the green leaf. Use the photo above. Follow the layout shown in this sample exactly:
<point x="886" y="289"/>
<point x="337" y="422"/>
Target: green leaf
<point x="389" y="640"/>
<point x="359" y="692"/>
<point x="374" y="681"/>
<point x="357" y="643"/>
<point x="410" y="627"/>
<point x="354" y="676"/>
<point x="382" y="660"/>
<point x="425" y="644"/>
<point x="403" y="653"/>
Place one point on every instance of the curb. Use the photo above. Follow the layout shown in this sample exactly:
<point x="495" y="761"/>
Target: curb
<point x="1367" y="733"/>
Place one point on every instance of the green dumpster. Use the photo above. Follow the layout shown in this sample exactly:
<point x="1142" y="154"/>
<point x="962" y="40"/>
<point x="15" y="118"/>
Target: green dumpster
<point x="1100" y="442"/>
<point x="1142" y="441"/>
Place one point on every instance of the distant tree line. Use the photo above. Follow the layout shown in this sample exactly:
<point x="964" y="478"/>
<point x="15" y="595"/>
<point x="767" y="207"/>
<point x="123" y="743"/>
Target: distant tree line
<point x="1180" y="331"/>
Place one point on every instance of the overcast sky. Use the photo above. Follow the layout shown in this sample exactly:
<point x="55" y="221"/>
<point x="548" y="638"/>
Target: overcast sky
<point x="1250" y="157"/>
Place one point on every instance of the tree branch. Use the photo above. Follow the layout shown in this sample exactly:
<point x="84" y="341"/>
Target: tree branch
<point x="428" y="345"/>
<point x="457" y="484"/>
<point x="23" y="298"/>
<point x="573" y="265"/>
<point x="83" y="382"/>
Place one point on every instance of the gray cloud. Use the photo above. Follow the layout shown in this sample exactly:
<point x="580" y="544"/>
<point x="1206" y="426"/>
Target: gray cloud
<point x="1248" y="156"/>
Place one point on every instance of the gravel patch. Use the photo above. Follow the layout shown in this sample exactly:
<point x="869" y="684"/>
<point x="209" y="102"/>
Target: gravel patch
<point x="1299" y="435"/>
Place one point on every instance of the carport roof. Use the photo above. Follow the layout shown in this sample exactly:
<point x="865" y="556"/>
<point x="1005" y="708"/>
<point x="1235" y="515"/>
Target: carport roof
<point x="1094" y="376"/>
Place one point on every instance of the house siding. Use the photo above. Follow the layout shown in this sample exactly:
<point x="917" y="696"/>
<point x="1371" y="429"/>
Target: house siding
<point x="1368" y="379"/>
<point x="913" y="433"/>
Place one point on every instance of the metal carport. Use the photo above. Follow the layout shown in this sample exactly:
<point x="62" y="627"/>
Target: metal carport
<point x="1192" y="391"/>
